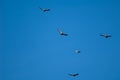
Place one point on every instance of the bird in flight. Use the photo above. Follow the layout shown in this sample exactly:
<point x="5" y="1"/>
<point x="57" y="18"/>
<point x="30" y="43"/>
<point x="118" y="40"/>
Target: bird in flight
<point x="74" y="75"/>
<point x="105" y="35"/>
<point x="61" y="33"/>
<point x="44" y="10"/>
<point x="77" y="51"/>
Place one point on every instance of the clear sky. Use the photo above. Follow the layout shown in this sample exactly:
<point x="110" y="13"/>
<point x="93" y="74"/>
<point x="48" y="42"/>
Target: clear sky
<point x="32" y="49"/>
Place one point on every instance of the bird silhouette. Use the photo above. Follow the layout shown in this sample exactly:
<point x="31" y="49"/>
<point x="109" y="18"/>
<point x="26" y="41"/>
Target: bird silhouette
<point x="77" y="51"/>
<point x="105" y="35"/>
<point x="44" y="10"/>
<point x="74" y="75"/>
<point x="61" y="33"/>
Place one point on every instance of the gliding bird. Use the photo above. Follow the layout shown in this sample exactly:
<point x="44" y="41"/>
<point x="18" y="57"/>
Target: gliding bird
<point x="105" y="35"/>
<point x="77" y="51"/>
<point x="74" y="75"/>
<point x="61" y="33"/>
<point x="44" y="10"/>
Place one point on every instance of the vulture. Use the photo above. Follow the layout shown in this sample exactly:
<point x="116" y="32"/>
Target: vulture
<point x="61" y="33"/>
<point x="74" y="75"/>
<point x="44" y="10"/>
<point x="77" y="51"/>
<point x="105" y="35"/>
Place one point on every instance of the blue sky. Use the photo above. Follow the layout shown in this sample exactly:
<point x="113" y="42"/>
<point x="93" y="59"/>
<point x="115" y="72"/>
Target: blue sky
<point x="32" y="49"/>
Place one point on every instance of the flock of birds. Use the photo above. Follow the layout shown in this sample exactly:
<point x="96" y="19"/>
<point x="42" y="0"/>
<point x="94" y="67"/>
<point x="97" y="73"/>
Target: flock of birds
<point x="65" y="34"/>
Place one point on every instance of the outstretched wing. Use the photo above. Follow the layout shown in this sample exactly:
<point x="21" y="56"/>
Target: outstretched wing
<point x="65" y="34"/>
<point x="74" y="74"/>
<point x="70" y="74"/>
<point x="41" y="9"/>
<point x="47" y="9"/>
<point x="108" y="36"/>
<point x="60" y="32"/>
<point x="102" y="35"/>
